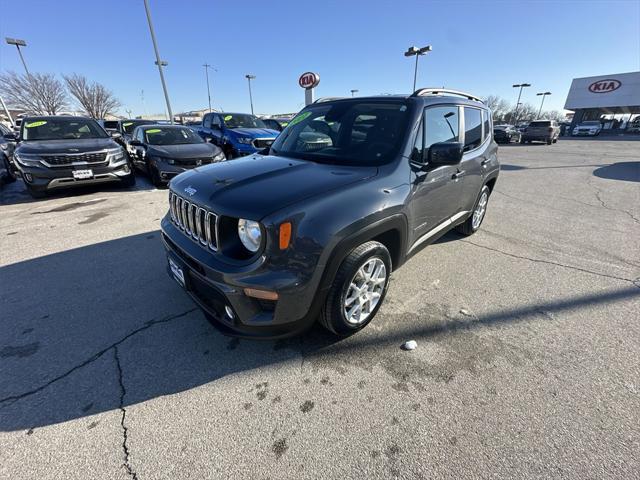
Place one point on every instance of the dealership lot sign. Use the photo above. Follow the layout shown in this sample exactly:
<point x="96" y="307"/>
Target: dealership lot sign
<point x="308" y="81"/>
<point x="604" y="86"/>
<point x="606" y="91"/>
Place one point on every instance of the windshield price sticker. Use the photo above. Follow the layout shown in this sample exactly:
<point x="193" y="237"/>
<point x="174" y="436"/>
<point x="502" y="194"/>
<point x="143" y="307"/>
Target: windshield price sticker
<point x="126" y="124"/>
<point x="228" y="117"/>
<point x="154" y="130"/>
<point x="35" y="124"/>
<point x="299" y="118"/>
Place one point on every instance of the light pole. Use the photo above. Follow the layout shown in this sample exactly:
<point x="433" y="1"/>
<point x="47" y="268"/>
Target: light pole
<point x="159" y="63"/>
<point x="354" y="91"/>
<point x="411" y="51"/>
<point x="543" y="94"/>
<point x="19" y="43"/>
<point x="206" y="71"/>
<point x="515" y="113"/>
<point x="249" y="78"/>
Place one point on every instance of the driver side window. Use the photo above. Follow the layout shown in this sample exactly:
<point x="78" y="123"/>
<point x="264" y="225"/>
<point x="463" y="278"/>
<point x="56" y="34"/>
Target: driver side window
<point x="216" y="121"/>
<point x="207" y="121"/>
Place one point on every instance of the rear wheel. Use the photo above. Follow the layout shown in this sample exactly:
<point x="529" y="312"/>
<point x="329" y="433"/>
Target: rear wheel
<point x="472" y="224"/>
<point x="358" y="289"/>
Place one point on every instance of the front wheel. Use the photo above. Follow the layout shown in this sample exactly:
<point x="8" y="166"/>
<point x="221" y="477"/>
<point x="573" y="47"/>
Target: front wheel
<point x="358" y="289"/>
<point x="472" y="224"/>
<point x="10" y="176"/>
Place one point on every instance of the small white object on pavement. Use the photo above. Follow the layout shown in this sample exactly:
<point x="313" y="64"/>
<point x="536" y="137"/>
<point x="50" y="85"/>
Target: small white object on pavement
<point x="410" y="345"/>
<point x="465" y="312"/>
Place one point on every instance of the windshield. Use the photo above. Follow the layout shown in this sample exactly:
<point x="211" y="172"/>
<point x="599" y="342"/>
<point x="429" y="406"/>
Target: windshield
<point x="540" y="124"/>
<point x="62" y="128"/>
<point x="349" y="133"/>
<point x="129" y="125"/>
<point x="171" y="136"/>
<point x="242" y="120"/>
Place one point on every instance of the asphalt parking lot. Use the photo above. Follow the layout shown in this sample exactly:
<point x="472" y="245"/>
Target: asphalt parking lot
<point x="527" y="366"/>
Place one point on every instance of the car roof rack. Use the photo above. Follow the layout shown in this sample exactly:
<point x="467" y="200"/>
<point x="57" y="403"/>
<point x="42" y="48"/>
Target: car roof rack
<point x="444" y="91"/>
<point x="328" y="99"/>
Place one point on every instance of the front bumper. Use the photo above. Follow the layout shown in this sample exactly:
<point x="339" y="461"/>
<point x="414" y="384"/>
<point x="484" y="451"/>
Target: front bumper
<point x="43" y="178"/>
<point x="213" y="287"/>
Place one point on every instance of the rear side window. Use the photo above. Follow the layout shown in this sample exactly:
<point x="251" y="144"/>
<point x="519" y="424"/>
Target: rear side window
<point x="486" y="116"/>
<point x="472" y="128"/>
<point x="441" y="125"/>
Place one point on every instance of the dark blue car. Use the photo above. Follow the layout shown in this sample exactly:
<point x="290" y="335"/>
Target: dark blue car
<point x="237" y="134"/>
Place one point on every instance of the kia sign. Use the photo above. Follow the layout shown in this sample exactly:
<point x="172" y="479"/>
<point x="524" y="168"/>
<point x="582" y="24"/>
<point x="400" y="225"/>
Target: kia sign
<point x="309" y="80"/>
<point x="605" y="86"/>
<point x="620" y="90"/>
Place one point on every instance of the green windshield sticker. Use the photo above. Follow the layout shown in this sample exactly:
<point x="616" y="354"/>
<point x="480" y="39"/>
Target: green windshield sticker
<point x="154" y="130"/>
<point x="228" y="117"/>
<point x="126" y="124"/>
<point x="35" y="124"/>
<point x="299" y="118"/>
<point x="284" y="124"/>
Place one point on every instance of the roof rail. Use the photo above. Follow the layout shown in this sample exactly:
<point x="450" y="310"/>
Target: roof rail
<point x="328" y="99"/>
<point x="442" y="91"/>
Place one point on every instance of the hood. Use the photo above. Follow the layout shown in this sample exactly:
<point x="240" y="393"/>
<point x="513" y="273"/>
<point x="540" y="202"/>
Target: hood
<point x="255" y="132"/>
<point x="256" y="186"/>
<point x="177" y="152"/>
<point x="65" y="146"/>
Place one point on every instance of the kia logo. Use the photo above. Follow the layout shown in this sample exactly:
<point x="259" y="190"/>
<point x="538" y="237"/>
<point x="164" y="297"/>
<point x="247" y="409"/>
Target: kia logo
<point x="605" y="86"/>
<point x="309" y="80"/>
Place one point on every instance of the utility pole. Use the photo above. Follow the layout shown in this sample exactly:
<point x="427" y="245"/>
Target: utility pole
<point x="249" y="78"/>
<point x="543" y="94"/>
<point x="19" y="43"/>
<point x="515" y="113"/>
<point x="206" y="71"/>
<point x="411" y="51"/>
<point x="159" y="63"/>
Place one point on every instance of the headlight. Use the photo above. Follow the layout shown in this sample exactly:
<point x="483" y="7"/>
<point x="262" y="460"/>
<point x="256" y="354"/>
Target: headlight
<point x="245" y="140"/>
<point x="219" y="157"/>
<point x="27" y="160"/>
<point x="250" y="234"/>
<point x="117" y="154"/>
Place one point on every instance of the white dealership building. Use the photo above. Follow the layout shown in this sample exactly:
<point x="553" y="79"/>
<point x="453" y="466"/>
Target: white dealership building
<point x="614" y="99"/>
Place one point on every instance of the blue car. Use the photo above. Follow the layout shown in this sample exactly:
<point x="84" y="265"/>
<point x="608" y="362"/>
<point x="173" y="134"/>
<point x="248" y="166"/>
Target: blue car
<point x="237" y="134"/>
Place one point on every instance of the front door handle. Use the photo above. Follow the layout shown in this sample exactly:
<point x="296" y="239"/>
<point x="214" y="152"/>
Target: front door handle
<point x="485" y="161"/>
<point x="457" y="175"/>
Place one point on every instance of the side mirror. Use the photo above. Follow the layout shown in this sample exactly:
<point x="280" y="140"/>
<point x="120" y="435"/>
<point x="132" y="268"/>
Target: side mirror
<point x="115" y="134"/>
<point x="136" y="143"/>
<point x="445" y="153"/>
<point x="12" y="137"/>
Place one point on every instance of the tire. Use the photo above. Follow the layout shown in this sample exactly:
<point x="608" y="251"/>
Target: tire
<point x="35" y="193"/>
<point x="10" y="176"/>
<point x="332" y="317"/>
<point x="469" y="227"/>
<point x="549" y="141"/>
<point x="129" y="180"/>
<point x="154" y="176"/>
<point x="555" y="140"/>
<point x="523" y="141"/>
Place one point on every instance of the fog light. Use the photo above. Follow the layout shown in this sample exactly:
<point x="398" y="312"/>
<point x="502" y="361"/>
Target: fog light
<point x="229" y="312"/>
<point x="28" y="177"/>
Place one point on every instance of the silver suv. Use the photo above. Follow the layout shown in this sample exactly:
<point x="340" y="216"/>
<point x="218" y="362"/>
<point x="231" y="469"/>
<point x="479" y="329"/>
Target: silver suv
<point x="541" y="131"/>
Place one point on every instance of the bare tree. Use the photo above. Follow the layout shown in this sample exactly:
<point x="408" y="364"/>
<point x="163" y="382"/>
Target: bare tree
<point x="96" y="100"/>
<point x="500" y="108"/>
<point x="38" y="93"/>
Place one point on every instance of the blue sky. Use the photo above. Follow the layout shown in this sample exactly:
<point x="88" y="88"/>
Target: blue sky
<point x="482" y="47"/>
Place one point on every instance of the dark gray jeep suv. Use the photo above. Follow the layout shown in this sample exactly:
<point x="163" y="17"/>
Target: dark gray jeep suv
<point x="313" y="228"/>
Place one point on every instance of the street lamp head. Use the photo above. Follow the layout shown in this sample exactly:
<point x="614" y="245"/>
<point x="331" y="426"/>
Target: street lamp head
<point x="521" y="85"/>
<point x="411" y="51"/>
<point x="162" y="63"/>
<point x="424" y="50"/>
<point x="250" y="77"/>
<point x="15" y="41"/>
<point x="544" y="93"/>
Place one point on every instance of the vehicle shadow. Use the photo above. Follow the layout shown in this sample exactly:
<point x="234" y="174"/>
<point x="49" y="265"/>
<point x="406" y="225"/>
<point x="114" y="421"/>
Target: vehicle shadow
<point x="627" y="171"/>
<point x="103" y="327"/>
<point x="16" y="192"/>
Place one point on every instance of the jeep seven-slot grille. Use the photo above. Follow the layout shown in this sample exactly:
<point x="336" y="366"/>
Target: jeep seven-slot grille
<point x="199" y="224"/>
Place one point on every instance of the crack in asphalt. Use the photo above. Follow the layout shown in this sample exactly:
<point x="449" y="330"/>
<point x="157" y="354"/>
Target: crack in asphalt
<point x="125" y="430"/>
<point x="549" y="262"/>
<point x="598" y="194"/>
<point x="13" y="398"/>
